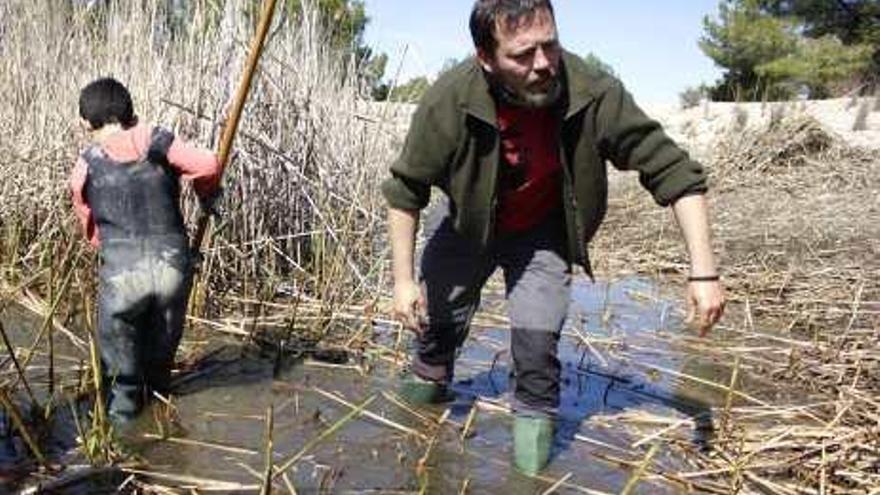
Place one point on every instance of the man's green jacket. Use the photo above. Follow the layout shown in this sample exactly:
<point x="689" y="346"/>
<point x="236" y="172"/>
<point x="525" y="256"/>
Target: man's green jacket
<point x="453" y="144"/>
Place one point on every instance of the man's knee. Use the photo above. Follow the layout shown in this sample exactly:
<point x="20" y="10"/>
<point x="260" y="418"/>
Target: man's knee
<point x="539" y="293"/>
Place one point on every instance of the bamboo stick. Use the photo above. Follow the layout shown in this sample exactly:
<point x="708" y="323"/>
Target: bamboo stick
<point x="199" y="483"/>
<point x="201" y="444"/>
<point x="18" y="368"/>
<point x="373" y="416"/>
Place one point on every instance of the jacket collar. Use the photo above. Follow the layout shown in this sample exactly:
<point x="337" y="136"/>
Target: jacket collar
<point x="581" y="87"/>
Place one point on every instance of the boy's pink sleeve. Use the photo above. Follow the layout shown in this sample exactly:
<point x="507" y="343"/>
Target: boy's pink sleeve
<point x="77" y="185"/>
<point x="197" y="165"/>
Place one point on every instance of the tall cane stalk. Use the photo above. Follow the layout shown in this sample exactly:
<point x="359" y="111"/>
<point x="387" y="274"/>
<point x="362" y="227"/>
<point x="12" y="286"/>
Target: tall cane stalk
<point x="228" y="136"/>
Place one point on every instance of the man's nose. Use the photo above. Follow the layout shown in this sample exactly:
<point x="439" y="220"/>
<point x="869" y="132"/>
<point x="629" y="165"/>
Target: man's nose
<point x="542" y="60"/>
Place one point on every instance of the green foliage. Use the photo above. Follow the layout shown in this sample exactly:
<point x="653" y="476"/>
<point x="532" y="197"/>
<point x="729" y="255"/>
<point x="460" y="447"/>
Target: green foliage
<point x="851" y="21"/>
<point x="411" y="91"/>
<point x="772" y="48"/>
<point x="596" y="63"/>
<point x="740" y="40"/>
<point x="819" y="64"/>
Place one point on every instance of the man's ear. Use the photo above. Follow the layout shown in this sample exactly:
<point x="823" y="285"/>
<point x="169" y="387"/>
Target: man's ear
<point x="484" y="59"/>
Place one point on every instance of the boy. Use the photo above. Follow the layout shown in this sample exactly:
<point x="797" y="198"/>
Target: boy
<point x="126" y="192"/>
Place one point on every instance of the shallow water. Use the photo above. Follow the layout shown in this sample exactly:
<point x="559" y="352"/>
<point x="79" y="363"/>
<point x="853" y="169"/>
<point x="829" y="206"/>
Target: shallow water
<point x="224" y="405"/>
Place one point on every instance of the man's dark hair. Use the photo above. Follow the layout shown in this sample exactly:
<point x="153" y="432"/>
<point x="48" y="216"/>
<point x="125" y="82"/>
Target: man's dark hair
<point x="106" y="101"/>
<point x="486" y="13"/>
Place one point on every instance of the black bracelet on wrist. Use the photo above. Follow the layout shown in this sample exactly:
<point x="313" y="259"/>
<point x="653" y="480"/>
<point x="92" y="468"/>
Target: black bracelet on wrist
<point x="706" y="278"/>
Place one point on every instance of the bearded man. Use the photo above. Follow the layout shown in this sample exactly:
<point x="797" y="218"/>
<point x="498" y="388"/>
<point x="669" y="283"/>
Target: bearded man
<point x="517" y="138"/>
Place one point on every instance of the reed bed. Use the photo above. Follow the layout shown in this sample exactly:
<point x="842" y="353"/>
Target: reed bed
<point x="301" y="209"/>
<point x="297" y="257"/>
<point x="301" y="212"/>
<point x="794" y="214"/>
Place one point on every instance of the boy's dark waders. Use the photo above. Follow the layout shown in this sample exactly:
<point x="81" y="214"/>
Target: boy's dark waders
<point x="144" y="275"/>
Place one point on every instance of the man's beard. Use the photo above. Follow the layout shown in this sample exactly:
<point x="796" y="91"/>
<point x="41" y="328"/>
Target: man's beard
<point x="527" y="99"/>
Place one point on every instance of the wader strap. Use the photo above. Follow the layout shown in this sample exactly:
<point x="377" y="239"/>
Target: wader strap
<point x="160" y="143"/>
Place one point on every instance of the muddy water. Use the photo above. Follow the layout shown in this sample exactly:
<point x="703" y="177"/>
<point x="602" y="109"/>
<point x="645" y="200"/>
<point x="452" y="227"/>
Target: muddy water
<point x="56" y="436"/>
<point x="224" y="403"/>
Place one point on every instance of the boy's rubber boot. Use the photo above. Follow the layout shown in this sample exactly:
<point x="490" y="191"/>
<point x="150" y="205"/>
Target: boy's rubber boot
<point x="417" y="390"/>
<point x="532" y="439"/>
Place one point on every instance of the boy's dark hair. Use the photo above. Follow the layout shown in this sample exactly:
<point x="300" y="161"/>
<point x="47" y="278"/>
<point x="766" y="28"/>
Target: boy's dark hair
<point x="486" y="14"/>
<point x="106" y="101"/>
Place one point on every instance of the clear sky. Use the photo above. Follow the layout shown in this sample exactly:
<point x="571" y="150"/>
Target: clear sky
<point x="651" y="44"/>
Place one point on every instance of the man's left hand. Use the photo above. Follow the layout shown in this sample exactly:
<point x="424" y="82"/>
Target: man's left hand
<point x="705" y="305"/>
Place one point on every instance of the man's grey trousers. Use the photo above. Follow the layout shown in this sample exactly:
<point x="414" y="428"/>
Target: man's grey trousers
<point x="537" y="276"/>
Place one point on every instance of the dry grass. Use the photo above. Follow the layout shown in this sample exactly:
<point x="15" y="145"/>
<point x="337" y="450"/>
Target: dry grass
<point x="795" y="214"/>
<point x="301" y="202"/>
<point x="795" y="221"/>
<point x="302" y="210"/>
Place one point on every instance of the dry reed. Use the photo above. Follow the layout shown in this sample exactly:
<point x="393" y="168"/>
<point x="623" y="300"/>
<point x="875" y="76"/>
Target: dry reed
<point x="301" y="201"/>
<point x="793" y="208"/>
<point x="793" y="216"/>
<point x="302" y="212"/>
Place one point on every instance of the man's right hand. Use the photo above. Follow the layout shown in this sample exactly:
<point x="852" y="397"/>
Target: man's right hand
<point x="409" y="305"/>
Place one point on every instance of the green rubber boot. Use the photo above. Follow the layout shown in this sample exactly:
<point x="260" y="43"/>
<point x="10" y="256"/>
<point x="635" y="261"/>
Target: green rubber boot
<point x="417" y="390"/>
<point x="532" y="439"/>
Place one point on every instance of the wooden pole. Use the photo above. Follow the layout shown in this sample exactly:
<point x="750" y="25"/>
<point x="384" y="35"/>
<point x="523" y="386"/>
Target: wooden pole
<point x="231" y="126"/>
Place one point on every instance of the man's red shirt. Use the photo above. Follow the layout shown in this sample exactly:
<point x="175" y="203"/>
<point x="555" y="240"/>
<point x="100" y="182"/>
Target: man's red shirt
<point x="529" y="185"/>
